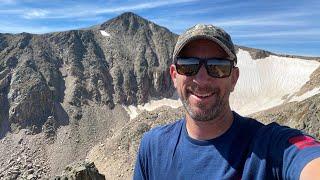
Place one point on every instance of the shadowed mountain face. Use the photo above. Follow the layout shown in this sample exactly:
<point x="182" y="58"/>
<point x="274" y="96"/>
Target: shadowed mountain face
<point x="61" y="94"/>
<point x="43" y="75"/>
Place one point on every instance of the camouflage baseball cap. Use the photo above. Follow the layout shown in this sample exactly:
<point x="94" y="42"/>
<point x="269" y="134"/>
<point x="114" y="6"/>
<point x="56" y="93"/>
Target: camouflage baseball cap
<point x="210" y="32"/>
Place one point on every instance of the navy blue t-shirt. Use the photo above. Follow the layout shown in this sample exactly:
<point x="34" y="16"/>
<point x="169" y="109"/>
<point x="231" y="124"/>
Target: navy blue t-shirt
<point x="248" y="150"/>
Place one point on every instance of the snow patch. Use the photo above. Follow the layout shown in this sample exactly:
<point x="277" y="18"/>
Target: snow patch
<point x="264" y="82"/>
<point x="134" y="111"/>
<point x="306" y="95"/>
<point x="104" y="33"/>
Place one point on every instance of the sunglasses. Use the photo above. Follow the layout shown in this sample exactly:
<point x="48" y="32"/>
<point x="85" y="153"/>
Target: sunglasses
<point x="216" y="67"/>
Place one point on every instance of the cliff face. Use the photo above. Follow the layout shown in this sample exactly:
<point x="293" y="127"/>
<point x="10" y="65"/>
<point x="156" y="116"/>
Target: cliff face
<point x="139" y="53"/>
<point x="124" y="61"/>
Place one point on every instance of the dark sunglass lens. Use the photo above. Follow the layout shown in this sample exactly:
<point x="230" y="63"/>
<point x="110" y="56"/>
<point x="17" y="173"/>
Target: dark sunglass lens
<point x="187" y="66"/>
<point x="188" y="70"/>
<point x="219" y="68"/>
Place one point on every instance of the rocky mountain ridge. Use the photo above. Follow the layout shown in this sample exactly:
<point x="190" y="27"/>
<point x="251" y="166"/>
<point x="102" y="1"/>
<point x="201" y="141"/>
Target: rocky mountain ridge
<point x="260" y="54"/>
<point x="63" y="93"/>
<point x="46" y="73"/>
<point x="70" y="86"/>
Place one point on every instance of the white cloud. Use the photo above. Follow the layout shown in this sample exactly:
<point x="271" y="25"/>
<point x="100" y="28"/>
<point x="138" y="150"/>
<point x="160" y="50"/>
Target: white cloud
<point x="18" y="28"/>
<point x="146" y="5"/>
<point x="36" y="13"/>
<point x="289" y="18"/>
<point x="83" y="10"/>
<point x="276" y="19"/>
<point x="253" y="41"/>
<point x="303" y="32"/>
<point x="78" y="12"/>
<point x="257" y="22"/>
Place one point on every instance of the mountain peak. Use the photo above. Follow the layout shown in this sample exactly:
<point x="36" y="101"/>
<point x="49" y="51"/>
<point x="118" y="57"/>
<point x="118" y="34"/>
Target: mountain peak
<point x="127" y="19"/>
<point x="129" y="15"/>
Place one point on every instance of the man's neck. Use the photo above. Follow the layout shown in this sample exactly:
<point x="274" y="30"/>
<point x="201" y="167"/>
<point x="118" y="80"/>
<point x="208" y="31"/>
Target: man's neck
<point x="205" y="130"/>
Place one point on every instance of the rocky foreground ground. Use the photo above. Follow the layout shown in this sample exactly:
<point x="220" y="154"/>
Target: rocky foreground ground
<point x="23" y="156"/>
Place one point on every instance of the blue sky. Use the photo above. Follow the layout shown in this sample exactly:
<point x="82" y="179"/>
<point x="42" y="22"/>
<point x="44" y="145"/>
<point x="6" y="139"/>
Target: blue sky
<point x="281" y="26"/>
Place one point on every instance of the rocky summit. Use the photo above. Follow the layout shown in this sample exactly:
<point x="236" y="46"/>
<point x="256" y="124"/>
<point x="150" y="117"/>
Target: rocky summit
<point x="69" y="96"/>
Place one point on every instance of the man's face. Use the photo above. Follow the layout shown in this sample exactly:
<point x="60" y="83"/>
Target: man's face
<point x="204" y="97"/>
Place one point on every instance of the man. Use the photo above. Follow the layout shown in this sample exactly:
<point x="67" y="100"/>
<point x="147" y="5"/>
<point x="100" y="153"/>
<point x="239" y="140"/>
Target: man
<point x="212" y="142"/>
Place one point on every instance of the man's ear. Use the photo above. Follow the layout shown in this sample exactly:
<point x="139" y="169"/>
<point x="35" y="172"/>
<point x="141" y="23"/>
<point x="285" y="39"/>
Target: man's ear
<point x="234" y="77"/>
<point x="173" y="74"/>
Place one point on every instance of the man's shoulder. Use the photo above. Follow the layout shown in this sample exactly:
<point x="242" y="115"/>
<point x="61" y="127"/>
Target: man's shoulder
<point x="161" y="136"/>
<point x="248" y="124"/>
<point x="272" y="128"/>
<point x="276" y="129"/>
<point x="265" y="132"/>
<point x="276" y="135"/>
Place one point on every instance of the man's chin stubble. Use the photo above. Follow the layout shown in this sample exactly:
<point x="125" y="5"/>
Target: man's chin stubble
<point x="209" y="115"/>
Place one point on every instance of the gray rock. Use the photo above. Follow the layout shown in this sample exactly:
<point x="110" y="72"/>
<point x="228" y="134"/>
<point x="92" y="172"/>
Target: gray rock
<point x="31" y="177"/>
<point x="30" y="171"/>
<point x="81" y="171"/>
<point x="49" y="128"/>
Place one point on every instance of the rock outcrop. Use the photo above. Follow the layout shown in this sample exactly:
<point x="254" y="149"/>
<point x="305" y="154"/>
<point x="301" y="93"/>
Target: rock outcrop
<point x="81" y="171"/>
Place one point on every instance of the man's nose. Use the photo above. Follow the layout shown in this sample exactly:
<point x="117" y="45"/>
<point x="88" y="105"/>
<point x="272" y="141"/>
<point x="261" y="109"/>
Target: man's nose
<point x="202" y="75"/>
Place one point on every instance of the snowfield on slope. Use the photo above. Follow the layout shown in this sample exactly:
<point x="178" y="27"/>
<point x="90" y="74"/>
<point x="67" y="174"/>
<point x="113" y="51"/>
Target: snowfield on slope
<point x="263" y="84"/>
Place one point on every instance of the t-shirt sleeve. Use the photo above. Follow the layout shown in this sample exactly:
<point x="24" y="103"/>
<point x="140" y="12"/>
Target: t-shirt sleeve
<point x="301" y="150"/>
<point x="140" y="171"/>
<point x="292" y="150"/>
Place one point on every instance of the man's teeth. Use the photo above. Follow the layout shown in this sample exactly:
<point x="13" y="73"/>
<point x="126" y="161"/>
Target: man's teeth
<point x="202" y="95"/>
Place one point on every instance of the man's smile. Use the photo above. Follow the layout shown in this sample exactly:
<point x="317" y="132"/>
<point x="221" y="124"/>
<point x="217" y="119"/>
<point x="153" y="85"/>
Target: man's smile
<point x="202" y="95"/>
